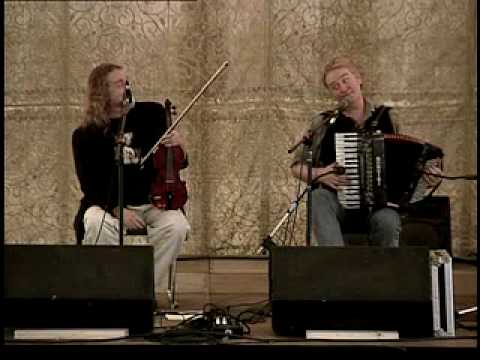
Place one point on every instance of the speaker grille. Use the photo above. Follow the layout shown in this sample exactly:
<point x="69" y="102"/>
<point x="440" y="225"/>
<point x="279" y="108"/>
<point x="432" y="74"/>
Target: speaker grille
<point x="58" y="286"/>
<point x="78" y="272"/>
<point x="356" y="287"/>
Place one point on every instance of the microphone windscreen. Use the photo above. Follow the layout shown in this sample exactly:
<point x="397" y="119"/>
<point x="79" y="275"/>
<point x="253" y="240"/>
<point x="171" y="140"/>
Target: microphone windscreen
<point x="130" y="99"/>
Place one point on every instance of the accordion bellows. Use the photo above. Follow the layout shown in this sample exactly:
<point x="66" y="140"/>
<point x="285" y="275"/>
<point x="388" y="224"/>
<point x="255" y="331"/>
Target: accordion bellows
<point x="383" y="169"/>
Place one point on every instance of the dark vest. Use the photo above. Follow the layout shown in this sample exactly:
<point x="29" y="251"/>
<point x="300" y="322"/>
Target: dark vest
<point x="378" y="120"/>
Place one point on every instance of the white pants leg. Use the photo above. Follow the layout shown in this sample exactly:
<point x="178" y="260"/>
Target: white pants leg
<point x="167" y="230"/>
<point x="92" y="221"/>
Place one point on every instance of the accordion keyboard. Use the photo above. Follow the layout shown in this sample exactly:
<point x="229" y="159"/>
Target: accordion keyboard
<point x="346" y="155"/>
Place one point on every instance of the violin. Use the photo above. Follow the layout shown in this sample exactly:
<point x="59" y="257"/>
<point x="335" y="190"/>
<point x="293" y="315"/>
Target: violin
<point x="168" y="191"/>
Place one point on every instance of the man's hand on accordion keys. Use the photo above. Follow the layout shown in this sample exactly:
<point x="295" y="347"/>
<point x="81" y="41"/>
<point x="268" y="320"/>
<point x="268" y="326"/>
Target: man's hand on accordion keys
<point x="332" y="176"/>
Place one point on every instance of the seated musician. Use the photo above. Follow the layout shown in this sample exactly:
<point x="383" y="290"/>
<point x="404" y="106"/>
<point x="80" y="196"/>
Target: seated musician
<point x="355" y="113"/>
<point x="94" y="144"/>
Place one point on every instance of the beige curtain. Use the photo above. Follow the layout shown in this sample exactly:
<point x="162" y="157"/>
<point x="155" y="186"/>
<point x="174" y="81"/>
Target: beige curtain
<point x="419" y="56"/>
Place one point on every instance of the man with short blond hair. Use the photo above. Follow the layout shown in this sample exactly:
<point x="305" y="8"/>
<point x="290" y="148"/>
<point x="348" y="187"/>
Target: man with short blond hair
<point x="344" y="80"/>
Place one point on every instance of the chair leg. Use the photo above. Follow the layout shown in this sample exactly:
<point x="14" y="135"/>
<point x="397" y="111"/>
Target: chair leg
<point x="171" y="285"/>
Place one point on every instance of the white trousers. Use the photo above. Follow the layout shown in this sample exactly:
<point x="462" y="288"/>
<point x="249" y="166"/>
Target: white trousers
<point x="167" y="230"/>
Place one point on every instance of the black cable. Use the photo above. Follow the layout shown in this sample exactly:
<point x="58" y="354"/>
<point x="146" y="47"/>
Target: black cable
<point x="462" y="325"/>
<point x="257" y="315"/>
<point x="185" y="336"/>
<point x="286" y="233"/>
<point x="248" y="304"/>
<point x="471" y="260"/>
<point x="464" y="177"/>
<point x="215" y="321"/>
<point x="101" y="227"/>
<point x="295" y="212"/>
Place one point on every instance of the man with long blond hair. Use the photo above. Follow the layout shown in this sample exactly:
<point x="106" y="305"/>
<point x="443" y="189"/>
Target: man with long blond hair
<point x="355" y="113"/>
<point x="94" y="144"/>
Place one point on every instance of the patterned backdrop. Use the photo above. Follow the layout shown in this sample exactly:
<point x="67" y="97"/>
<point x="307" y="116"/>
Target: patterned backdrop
<point x="417" y="55"/>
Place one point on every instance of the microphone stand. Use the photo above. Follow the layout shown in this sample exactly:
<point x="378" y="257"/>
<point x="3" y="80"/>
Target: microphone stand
<point x="120" y="143"/>
<point x="267" y="243"/>
<point x="309" y="189"/>
<point x="307" y="142"/>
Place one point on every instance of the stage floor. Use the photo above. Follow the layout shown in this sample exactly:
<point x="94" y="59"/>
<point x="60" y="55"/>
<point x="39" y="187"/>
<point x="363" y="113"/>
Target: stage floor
<point x="262" y="340"/>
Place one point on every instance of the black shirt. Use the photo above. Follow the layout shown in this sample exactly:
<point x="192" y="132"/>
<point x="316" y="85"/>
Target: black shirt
<point x="344" y="124"/>
<point x="96" y="167"/>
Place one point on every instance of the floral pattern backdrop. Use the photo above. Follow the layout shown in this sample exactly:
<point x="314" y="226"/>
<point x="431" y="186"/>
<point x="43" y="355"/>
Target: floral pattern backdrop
<point x="419" y="56"/>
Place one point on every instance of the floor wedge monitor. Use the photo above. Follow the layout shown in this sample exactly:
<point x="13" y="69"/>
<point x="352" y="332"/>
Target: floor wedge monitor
<point x="63" y="286"/>
<point x="355" y="288"/>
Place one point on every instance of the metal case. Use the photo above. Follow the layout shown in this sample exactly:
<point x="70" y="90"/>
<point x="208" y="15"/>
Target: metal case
<point x="442" y="293"/>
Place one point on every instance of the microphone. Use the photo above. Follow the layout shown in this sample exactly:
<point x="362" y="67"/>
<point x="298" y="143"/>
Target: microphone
<point x="129" y="99"/>
<point x="342" y="105"/>
<point x="305" y="139"/>
<point x="128" y="104"/>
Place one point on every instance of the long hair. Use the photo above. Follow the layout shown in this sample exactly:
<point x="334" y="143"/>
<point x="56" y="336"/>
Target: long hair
<point x="98" y="96"/>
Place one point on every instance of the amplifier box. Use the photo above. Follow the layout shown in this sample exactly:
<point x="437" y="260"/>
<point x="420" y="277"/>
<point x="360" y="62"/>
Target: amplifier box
<point x="408" y="290"/>
<point x="64" y="286"/>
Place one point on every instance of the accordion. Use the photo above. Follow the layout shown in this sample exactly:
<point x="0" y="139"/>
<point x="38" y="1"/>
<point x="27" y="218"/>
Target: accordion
<point x="383" y="169"/>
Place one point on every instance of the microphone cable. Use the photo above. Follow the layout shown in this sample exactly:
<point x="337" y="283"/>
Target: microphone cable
<point x="459" y="177"/>
<point x="289" y="235"/>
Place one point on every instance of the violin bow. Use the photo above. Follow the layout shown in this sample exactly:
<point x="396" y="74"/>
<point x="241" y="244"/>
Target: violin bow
<point x="179" y="118"/>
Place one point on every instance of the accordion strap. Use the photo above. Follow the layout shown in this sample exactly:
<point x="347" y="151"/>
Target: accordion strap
<point x="374" y="123"/>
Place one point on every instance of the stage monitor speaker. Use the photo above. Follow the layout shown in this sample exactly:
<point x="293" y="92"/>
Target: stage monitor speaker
<point x="427" y="223"/>
<point x="64" y="286"/>
<point x="351" y="288"/>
